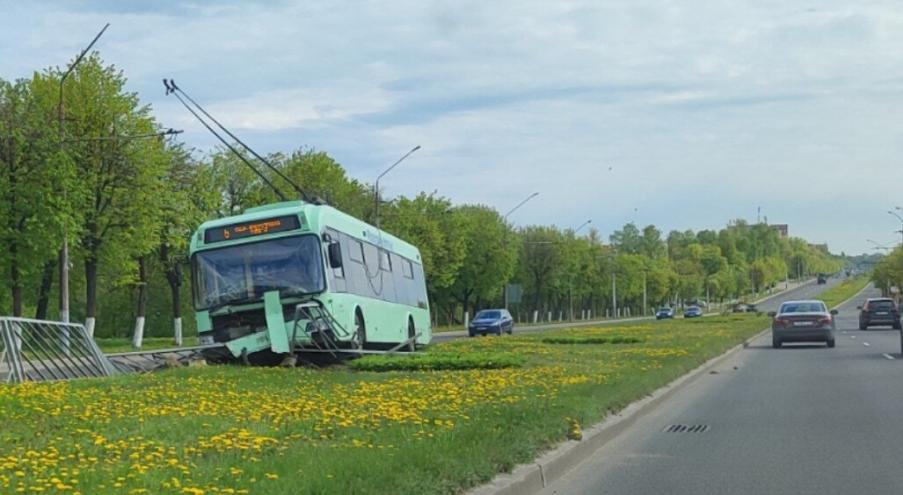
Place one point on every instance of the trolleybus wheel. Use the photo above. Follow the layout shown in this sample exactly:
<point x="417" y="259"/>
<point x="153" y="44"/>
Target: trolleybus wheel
<point x="360" y="330"/>
<point x="412" y="344"/>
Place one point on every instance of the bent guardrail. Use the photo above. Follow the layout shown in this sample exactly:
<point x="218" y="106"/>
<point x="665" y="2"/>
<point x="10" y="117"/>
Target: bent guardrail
<point x="38" y="350"/>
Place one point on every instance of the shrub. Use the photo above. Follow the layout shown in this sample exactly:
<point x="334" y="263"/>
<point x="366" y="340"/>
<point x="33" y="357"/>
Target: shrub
<point x="438" y="361"/>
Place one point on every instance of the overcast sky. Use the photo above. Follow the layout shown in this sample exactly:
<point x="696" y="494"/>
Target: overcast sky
<point x="681" y="114"/>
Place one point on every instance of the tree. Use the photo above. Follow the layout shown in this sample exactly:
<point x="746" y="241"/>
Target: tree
<point x="31" y="231"/>
<point x="118" y="185"/>
<point x="490" y="251"/>
<point x="191" y="200"/>
<point x="628" y="240"/>
<point x="540" y="261"/>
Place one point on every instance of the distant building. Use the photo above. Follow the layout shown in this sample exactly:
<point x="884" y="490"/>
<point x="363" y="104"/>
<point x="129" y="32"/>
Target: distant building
<point x="781" y="228"/>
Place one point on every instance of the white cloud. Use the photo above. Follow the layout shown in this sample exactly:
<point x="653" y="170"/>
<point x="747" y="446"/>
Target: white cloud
<point x="704" y="111"/>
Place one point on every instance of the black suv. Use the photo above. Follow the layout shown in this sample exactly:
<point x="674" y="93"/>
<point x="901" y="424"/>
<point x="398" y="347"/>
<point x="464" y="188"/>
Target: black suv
<point x="879" y="311"/>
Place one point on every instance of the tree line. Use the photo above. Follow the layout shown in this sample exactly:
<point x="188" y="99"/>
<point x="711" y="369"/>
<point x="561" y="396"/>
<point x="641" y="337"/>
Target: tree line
<point x="127" y="198"/>
<point x="888" y="272"/>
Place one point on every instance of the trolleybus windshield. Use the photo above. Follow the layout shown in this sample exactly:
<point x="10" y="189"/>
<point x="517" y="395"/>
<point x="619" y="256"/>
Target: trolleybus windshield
<point x="243" y="273"/>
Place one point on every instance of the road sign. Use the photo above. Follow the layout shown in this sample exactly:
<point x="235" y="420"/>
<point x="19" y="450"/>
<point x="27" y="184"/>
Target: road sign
<point x="515" y="293"/>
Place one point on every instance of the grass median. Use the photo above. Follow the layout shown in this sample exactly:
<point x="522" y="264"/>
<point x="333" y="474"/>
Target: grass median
<point x="231" y="429"/>
<point x="843" y="291"/>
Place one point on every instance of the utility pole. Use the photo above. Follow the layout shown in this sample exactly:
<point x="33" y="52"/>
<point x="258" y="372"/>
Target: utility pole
<point x="614" y="295"/>
<point x="64" y="252"/>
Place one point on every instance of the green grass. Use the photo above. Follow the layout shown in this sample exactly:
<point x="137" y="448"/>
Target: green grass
<point x="339" y="430"/>
<point x="113" y="345"/>
<point x="591" y="340"/>
<point x="843" y="291"/>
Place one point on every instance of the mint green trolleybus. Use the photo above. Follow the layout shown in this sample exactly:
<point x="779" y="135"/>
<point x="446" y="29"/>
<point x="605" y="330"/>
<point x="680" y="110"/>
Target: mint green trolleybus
<point x="291" y="277"/>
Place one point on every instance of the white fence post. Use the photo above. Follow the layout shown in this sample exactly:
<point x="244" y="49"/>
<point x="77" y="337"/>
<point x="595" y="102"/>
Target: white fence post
<point x="466" y="320"/>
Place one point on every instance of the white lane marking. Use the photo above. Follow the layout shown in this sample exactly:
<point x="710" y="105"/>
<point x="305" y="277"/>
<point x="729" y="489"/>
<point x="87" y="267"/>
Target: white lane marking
<point x="852" y="336"/>
<point x="888" y="356"/>
<point x="843" y="332"/>
<point x="865" y="344"/>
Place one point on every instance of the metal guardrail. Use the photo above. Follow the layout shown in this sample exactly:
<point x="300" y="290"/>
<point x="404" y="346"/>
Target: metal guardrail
<point x="38" y="350"/>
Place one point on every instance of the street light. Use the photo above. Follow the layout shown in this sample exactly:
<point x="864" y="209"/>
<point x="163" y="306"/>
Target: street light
<point x="64" y="252"/>
<point x="901" y="222"/>
<point x="505" y="218"/>
<point x="167" y="132"/>
<point x="528" y="198"/>
<point x="386" y="171"/>
<point x="584" y="224"/>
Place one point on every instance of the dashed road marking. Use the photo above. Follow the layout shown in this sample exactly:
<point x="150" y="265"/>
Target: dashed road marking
<point x="865" y="344"/>
<point x="888" y="356"/>
<point x="852" y="336"/>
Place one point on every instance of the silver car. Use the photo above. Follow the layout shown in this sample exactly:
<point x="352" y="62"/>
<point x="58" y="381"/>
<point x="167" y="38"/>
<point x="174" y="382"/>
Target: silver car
<point x="802" y="321"/>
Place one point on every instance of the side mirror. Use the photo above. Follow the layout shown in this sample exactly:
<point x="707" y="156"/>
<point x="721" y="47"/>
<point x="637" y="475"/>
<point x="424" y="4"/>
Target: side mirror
<point x="335" y="255"/>
<point x="834" y="312"/>
<point x="772" y="314"/>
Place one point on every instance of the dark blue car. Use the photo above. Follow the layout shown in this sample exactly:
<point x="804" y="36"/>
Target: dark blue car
<point x="493" y="321"/>
<point x="664" y="313"/>
<point x="693" y="312"/>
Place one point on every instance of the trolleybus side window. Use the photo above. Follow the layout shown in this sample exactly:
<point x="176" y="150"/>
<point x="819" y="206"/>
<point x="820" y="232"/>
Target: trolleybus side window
<point x="356" y="251"/>
<point x="407" y="269"/>
<point x="385" y="262"/>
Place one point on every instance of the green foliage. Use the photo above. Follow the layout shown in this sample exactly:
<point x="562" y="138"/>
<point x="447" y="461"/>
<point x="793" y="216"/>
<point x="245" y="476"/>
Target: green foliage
<point x="888" y="271"/>
<point x="437" y="361"/>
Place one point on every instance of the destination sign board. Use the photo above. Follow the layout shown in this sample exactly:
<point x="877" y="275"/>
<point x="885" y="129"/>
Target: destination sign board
<point x="251" y="229"/>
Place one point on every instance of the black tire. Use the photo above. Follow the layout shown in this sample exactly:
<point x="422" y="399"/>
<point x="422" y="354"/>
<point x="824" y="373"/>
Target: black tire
<point x="775" y="342"/>
<point x="471" y="334"/>
<point x="831" y="344"/>
<point x="511" y="330"/>
<point x="360" y="331"/>
<point x="898" y="326"/>
<point x="863" y="326"/>
<point x="412" y="331"/>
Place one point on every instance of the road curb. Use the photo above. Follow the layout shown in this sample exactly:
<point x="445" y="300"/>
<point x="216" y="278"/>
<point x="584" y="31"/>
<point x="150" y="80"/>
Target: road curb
<point x="532" y="478"/>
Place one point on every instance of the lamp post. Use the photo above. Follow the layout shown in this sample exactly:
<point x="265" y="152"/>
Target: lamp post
<point x="512" y="210"/>
<point x="505" y="217"/>
<point x="584" y="224"/>
<point x="380" y="176"/>
<point x="64" y="252"/>
<point x="901" y="222"/>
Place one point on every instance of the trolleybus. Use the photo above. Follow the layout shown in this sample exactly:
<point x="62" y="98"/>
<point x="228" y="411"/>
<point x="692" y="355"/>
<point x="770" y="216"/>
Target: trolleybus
<point x="291" y="276"/>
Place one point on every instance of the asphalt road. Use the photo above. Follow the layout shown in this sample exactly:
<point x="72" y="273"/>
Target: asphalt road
<point x="768" y="304"/>
<point x="802" y="419"/>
